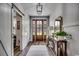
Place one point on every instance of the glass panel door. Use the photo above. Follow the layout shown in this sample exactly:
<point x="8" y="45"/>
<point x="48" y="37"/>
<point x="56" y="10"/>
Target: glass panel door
<point x="44" y="29"/>
<point x="39" y="30"/>
<point x="34" y="30"/>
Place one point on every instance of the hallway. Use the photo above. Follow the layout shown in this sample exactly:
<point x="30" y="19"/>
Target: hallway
<point x="39" y="29"/>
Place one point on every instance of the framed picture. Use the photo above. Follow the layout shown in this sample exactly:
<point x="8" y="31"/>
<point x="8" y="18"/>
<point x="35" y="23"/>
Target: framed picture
<point x="18" y="25"/>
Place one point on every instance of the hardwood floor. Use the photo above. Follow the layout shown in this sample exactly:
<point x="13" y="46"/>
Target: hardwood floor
<point x="39" y="43"/>
<point x="17" y="51"/>
<point x="26" y="49"/>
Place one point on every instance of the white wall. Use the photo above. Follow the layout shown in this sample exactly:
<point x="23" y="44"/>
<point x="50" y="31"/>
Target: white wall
<point x="5" y="26"/>
<point x="2" y="52"/>
<point x="70" y="14"/>
<point x="57" y="12"/>
<point x="25" y="31"/>
<point x="71" y="25"/>
<point x="20" y="7"/>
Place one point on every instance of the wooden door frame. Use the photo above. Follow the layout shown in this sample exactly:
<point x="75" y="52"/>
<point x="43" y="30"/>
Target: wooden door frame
<point x="34" y="17"/>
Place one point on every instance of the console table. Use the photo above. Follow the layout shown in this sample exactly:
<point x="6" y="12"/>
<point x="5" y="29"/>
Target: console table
<point x="60" y="47"/>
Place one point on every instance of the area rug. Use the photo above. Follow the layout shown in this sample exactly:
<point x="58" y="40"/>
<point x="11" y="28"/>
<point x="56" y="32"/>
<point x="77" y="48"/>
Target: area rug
<point x="38" y="50"/>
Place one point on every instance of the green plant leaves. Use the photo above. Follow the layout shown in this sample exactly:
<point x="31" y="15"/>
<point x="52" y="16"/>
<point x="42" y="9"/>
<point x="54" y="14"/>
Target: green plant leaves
<point x="61" y="33"/>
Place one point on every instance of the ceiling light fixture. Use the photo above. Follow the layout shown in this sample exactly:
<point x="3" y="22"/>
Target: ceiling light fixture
<point x="39" y="8"/>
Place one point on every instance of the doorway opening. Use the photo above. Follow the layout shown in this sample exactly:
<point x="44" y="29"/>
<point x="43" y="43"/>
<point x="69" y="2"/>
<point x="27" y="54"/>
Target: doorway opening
<point x="17" y="34"/>
<point x="39" y="29"/>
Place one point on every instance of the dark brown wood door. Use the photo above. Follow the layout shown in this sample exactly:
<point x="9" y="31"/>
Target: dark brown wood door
<point x="39" y="30"/>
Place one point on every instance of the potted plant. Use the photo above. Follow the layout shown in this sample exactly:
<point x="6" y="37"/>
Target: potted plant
<point x="61" y="35"/>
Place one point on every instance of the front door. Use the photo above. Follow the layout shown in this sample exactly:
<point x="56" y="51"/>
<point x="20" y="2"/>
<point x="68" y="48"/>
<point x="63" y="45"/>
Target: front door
<point x="39" y="29"/>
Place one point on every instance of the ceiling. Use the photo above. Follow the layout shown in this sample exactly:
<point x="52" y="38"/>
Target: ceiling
<point x="48" y="8"/>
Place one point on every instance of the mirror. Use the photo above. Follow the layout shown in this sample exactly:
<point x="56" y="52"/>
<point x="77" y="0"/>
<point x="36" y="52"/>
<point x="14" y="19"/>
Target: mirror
<point x="58" y="24"/>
